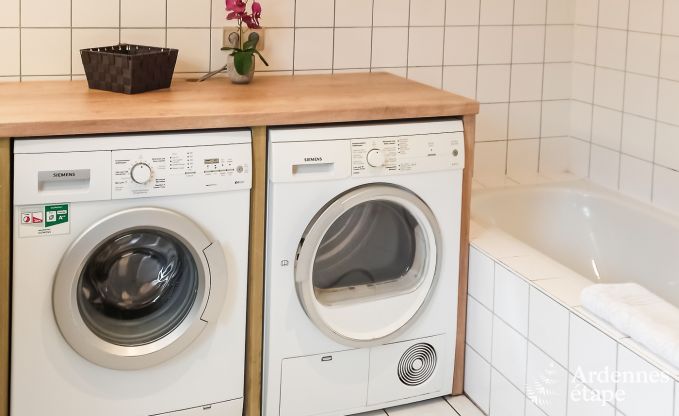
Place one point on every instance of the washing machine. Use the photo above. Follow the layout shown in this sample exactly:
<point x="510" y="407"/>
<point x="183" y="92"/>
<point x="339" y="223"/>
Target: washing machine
<point x="130" y="274"/>
<point x="362" y="266"/>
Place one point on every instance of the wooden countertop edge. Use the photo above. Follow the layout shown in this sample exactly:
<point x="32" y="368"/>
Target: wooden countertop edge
<point x="200" y="122"/>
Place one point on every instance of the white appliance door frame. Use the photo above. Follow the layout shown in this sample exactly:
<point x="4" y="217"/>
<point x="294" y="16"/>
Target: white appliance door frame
<point x="211" y="269"/>
<point x="370" y="314"/>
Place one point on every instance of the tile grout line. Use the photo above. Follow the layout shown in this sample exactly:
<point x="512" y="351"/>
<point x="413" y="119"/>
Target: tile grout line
<point x="591" y="120"/>
<point x="334" y="35"/>
<point x="410" y="5"/>
<point x="70" y="3"/>
<point x="478" y="49"/>
<point x="624" y="93"/>
<point x="443" y="55"/>
<point x="509" y="106"/>
<point x="372" y="32"/>
<point x="542" y="87"/>
<point x="294" y="35"/>
<point x="21" y="32"/>
<point x="657" y="105"/>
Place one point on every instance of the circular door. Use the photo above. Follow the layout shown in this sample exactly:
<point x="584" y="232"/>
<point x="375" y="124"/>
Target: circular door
<point x="367" y="264"/>
<point x="132" y="291"/>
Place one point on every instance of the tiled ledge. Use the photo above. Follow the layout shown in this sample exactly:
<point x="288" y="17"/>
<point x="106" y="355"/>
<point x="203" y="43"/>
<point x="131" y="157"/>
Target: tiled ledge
<point x="528" y="337"/>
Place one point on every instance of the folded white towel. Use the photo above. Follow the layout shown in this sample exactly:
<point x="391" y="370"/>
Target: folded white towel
<point x="638" y="313"/>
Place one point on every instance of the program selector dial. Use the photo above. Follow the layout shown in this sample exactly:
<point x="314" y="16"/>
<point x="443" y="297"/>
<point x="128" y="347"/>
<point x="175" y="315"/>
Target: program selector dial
<point x="375" y="158"/>
<point x="141" y="173"/>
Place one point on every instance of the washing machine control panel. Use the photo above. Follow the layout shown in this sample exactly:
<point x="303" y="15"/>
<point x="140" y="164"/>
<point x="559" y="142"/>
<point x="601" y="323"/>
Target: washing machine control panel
<point x="407" y="154"/>
<point x="180" y="170"/>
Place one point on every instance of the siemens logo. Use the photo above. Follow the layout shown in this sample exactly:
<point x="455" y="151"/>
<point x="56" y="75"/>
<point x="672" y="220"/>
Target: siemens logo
<point x="63" y="175"/>
<point x="313" y="159"/>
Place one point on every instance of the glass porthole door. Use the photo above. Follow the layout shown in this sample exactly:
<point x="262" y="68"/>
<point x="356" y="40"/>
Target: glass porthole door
<point x="133" y="290"/>
<point x="367" y="263"/>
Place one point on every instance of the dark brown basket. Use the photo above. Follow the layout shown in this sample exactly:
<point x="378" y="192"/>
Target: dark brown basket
<point x="130" y="69"/>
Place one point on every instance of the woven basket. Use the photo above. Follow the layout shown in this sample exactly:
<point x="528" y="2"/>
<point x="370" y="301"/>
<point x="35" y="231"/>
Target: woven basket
<point x="130" y="69"/>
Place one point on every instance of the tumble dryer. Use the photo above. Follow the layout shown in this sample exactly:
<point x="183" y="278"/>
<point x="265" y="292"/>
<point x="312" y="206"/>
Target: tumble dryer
<point x="130" y="274"/>
<point x="363" y="234"/>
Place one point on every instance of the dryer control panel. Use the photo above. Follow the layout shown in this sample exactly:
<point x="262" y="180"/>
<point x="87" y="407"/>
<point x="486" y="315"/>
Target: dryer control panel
<point x="180" y="170"/>
<point x="407" y="154"/>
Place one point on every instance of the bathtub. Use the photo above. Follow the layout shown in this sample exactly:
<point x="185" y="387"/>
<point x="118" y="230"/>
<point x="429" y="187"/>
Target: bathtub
<point x="604" y="237"/>
<point x="531" y="348"/>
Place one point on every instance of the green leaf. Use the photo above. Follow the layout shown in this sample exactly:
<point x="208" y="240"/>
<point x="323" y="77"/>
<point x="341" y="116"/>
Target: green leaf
<point x="261" y="57"/>
<point x="243" y="62"/>
<point x="253" y="40"/>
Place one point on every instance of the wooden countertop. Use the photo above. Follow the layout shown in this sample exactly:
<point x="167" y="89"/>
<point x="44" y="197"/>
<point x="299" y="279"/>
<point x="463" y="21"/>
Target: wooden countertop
<point x="65" y="108"/>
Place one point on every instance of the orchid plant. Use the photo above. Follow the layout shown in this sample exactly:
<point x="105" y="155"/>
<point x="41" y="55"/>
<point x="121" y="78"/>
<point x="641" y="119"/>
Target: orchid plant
<point x="243" y="53"/>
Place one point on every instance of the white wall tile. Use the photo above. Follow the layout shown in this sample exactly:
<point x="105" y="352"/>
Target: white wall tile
<point x="460" y="80"/>
<point x="613" y="51"/>
<point x="427" y="12"/>
<point x="586" y="12"/>
<point x="425" y="46"/>
<point x="670" y="17"/>
<point x="495" y="44"/>
<point x="188" y="13"/>
<point x="89" y="38"/>
<point x="555" y="155"/>
<point x="505" y="399"/>
<point x="142" y="14"/>
<point x="583" y="401"/>
<point x="10" y="51"/>
<point x="668" y="101"/>
<point x="546" y="383"/>
<point x="352" y="48"/>
<point x="609" y="88"/>
<point x="526" y="82"/>
<point x="491" y="123"/>
<point x="561" y="12"/>
<point x="583" y="82"/>
<point x="581" y="120"/>
<point x="9" y="17"/>
<point x="497" y="12"/>
<point x="490" y="159"/>
<point x="584" y="44"/>
<point x="45" y="13"/>
<point x="462" y="12"/>
<point x="522" y="157"/>
<point x="641" y="95"/>
<point x="548" y="326"/>
<point x="669" y="61"/>
<point x="665" y="185"/>
<point x="555" y="118"/>
<point x="528" y="45"/>
<point x="461" y="45"/>
<point x="313" y="48"/>
<point x="676" y="399"/>
<point x="667" y="146"/>
<point x="559" y="43"/>
<point x="636" y="178"/>
<point x="481" y="277"/>
<point x="613" y="13"/>
<point x="45" y="51"/>
<point x="557" y="81"/>
<point x="275" y="13"/>
<point x="493" y="83"/>
<point x="387" y="48"/>
<point x="654" y="395"/>
<point x="646" y="16"/>
<point x="524" y="120"/>
<point x="194" y="49"/>
<point x="391" y="12"/>
<point x="314" y="13"/>
<point x="637" y="136"/>
<point x="606" y="127"/>
<point x="352" y="13"/>
<point x="429" y="75"/>
<point x="148" y="37"/>
<point x="479" y="328"/>
<point x="533" y="410"/>
<point x="530" y="12"/>
<point x="101" y="13"/>
<point x="477" y="379"/>
<point x="592" y="353"/>
<point x="643" y="53"/>
<point x="511" y="299"/>
<point x="604" y="167"/>
<point x="579" y="158"/>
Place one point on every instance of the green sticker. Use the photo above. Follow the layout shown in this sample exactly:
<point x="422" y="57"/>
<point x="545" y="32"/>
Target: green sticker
<point x="56" y="214"/>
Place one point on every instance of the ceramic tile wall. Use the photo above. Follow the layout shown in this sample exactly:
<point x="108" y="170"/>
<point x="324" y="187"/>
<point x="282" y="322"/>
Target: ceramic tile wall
<point x="531" y="354"/>
<point x="625" y="111"/>
<point x="513" y="55"/>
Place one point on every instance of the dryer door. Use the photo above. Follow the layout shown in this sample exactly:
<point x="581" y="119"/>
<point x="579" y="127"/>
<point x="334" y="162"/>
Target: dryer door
<point x="138" y="287"/>
<point x="367" y="264"/>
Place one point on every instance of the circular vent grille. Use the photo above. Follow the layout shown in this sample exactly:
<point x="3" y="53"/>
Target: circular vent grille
<point x="417" y="364"/>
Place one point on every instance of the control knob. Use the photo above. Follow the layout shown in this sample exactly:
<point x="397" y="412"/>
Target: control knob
<point x="376" y="158"/>
<point x="141" y="173"/>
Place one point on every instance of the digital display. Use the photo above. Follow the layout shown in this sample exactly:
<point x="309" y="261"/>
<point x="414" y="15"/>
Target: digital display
<point x="212" y="161"/>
